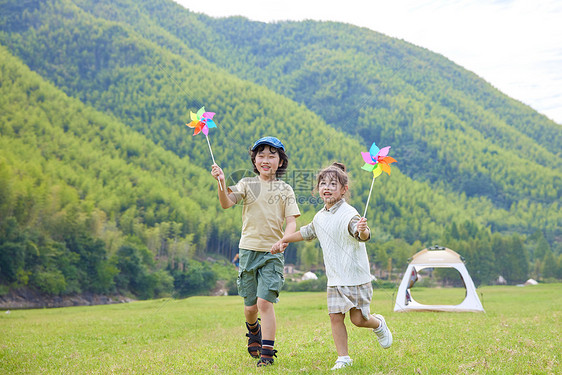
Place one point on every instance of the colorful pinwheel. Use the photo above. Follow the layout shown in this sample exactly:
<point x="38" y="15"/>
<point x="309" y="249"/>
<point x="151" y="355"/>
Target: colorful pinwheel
<point x="202" y="121"/>
<point x="376" y="161"/>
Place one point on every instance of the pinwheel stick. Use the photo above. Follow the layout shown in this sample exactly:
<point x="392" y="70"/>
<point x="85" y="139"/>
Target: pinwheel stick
<point x="212" y="156"/>
<point x="369" y="198"/>
<point x="209" y="143"/>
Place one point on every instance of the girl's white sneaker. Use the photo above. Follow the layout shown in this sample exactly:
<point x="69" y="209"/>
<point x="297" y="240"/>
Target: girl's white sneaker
<point x="341" y="363"/>
<point x="383" y="333"/>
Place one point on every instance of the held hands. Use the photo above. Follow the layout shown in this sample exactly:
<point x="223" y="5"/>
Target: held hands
<point x="279" y="247"/>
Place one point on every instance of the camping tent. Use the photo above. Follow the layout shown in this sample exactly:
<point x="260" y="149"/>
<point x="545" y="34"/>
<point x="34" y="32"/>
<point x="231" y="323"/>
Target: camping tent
<point x="309" y="276"/>
<point x="436" y="257"/>
<point x="531" y="282"/>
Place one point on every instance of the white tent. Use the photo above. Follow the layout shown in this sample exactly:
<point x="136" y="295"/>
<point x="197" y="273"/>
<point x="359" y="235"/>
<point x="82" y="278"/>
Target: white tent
<point x="437" y="257"/>
<point x="531" y="282"/>
<point x="309" y="276"/>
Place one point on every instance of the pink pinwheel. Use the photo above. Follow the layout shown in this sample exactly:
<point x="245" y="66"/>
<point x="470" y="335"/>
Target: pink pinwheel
<point x="376" y="161"/>
<point x="202" y="121"/>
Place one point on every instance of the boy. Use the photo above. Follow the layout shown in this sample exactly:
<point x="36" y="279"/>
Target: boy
<point x="268" y="203"/>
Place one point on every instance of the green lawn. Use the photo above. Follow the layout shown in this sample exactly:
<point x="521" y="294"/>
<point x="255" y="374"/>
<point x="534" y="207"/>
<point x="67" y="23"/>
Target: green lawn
<point x="520" y="333"/>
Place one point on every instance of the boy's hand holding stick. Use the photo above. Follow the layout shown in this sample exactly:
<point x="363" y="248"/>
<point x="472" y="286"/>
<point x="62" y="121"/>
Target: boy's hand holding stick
<point x="218" y="174"/>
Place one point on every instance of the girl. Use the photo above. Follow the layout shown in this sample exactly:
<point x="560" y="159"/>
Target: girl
<point x="342" y="233"/>
<point x="268" y="203"/>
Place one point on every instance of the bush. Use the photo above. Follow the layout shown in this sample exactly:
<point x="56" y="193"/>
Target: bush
<point x="50" y="282"/>
<point x="318" y="285"/>
<point x="156" y="284"/>
<point x="225" y="270"/>
<point x="198" y="278"/>
<point x="132" y="270"/>
<point x="232" y="287"/>
<point x="4" y="290"/>
<point x="379" y="284"/>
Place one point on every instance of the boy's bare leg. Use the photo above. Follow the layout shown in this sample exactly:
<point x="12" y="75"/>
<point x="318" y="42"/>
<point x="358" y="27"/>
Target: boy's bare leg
<point x="339" y="333"/>
<point x="268" y="324"/>
<point x="251" y="313"/>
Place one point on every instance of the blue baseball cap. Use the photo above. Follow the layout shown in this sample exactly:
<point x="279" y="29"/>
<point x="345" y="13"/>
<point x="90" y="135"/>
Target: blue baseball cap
<point x="272" y="141"/>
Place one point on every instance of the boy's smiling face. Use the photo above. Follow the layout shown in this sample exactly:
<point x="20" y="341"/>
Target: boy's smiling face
<point x="267" y="162"/>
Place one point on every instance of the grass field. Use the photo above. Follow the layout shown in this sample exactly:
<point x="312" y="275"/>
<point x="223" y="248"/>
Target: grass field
<point x="520" y="333"/>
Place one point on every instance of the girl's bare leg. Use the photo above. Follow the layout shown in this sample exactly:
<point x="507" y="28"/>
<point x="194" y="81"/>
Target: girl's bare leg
<point x="339" y="333"/>
<point x="359" y="320"/>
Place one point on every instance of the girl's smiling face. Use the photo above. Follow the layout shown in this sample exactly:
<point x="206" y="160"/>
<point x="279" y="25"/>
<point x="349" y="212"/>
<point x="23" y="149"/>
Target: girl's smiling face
<point x="267" y="162"/>
<point x="331" y="190"/>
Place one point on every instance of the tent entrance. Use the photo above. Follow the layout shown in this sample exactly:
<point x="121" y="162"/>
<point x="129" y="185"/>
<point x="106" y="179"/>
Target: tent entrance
<point x="442" y="263"/>
<point x="448" y="282"/>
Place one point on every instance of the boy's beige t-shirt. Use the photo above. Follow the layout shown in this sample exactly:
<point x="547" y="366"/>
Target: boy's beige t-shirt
<point x="266" y="205"/>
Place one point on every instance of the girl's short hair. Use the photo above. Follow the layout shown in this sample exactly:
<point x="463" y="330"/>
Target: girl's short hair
<point x="335" y="171"/>
<point x="283" y="158"/>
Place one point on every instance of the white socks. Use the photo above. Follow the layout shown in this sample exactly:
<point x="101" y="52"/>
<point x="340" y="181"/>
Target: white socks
<point x="344" y="358"/>
<point x="343" y="361"/>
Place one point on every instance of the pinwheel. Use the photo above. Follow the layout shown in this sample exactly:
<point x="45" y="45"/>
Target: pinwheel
<point x="202" y="121"/>
<point x="376" y="161"/>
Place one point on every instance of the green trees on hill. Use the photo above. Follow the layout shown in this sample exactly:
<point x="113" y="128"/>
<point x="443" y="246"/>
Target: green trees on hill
<point x="87" y="204"/>
<point x="103" y="188"/>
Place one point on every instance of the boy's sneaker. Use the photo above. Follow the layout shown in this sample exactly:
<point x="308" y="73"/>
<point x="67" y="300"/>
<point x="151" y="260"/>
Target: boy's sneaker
<point x="341" y="363"/>
<point x="383" y="333"/>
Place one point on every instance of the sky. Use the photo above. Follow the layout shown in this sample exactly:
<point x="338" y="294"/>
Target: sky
<point x="515" y="45"/>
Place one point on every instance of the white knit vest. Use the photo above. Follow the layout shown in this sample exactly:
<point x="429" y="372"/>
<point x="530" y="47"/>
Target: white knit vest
<point x="345" y="258"/>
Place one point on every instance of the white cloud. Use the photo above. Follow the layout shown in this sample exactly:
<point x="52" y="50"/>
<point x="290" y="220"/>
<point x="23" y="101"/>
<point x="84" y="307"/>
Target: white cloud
<point x="516" y="45"/>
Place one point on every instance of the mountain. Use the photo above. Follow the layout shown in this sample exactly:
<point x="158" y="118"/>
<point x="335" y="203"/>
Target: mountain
<point x="95" y="96"/>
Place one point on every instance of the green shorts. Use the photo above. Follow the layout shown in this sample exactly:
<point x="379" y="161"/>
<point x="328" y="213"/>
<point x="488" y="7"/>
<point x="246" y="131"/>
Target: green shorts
<point x="260" y="275"/>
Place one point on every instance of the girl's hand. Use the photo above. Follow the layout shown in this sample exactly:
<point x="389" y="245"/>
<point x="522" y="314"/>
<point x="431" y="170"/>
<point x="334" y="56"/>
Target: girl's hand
<point x="362" y="225"/>
<point x="279" y="247"/>
<point x="363" y="228"/>
<point x="275" y="247"/>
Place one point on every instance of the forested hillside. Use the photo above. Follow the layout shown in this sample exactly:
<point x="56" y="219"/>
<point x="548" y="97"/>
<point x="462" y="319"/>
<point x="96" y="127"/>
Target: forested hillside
<point x="372" y="86"/>
<point x="104" y="189"/>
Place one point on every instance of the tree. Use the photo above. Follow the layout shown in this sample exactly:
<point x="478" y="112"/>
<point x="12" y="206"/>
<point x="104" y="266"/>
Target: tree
<point x="16" y="247"/>
<point x="550" y="266"/>
<point x="196" y="278"/>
